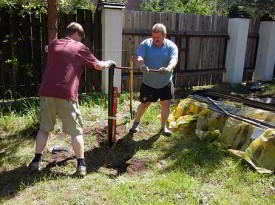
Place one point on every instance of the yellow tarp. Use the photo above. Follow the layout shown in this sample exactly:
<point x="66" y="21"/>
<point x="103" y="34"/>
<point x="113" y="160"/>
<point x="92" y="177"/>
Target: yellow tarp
<point x="259" y="114"/>
<point x="261" y="152"/>
<point x="236" y="136"/>
<point x="185" y="115"/>
<point x="209" y="125"/>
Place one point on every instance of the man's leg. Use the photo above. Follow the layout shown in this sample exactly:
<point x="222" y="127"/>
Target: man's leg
<point x="140" y="111"/>
<point x="147" y="96"/>
<point x="166" y="94"/>
<point x="47" y="122"/>
<point x="165" y="111"/>
<point x="78" y="146"/>
<point x="72" y="124"/>
<point x="41" y="142"/>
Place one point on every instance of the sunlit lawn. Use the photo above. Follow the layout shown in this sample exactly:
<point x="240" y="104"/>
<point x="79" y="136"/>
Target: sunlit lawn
<point x="149" y="168"/>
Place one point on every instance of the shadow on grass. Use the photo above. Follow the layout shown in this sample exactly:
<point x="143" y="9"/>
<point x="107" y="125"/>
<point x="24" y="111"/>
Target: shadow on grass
<point x="118" y="156"/>
<point x="193" y="156"/>
<point x="19" y="178"/>
<point x="12" y="181"/>
<point x="10" y="144"/>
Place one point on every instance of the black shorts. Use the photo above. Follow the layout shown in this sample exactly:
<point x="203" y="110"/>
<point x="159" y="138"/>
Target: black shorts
<point x="149" y="94"/>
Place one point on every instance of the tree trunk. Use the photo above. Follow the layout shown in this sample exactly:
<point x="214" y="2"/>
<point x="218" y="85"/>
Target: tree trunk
<point x="52" y="20"/>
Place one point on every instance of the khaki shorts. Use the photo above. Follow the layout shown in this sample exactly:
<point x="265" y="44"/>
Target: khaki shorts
<point x="68" y="112"/>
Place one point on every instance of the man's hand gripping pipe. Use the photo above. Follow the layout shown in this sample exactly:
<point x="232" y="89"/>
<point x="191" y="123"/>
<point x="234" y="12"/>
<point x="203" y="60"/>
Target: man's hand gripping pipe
<point x="130" y="68"/>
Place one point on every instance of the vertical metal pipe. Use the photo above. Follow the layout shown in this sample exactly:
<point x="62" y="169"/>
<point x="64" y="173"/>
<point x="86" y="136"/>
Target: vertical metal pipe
<point x="112" y="94"/>
<point x="131" y="86"/>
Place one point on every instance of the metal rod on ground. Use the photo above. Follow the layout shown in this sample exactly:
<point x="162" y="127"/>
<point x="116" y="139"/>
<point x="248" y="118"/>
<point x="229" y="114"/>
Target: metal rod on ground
<point x="246" y="101"/>
<point x="112" y="101"/>
<point x="238" y="117"/>
<point x="250" y="121"/>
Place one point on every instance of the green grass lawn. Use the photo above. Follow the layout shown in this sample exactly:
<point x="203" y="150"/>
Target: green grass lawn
<point x="148" y="168"/>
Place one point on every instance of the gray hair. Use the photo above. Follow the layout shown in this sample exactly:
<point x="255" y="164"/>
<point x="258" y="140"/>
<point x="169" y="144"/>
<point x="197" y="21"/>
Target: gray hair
<point x="159" y="28"/>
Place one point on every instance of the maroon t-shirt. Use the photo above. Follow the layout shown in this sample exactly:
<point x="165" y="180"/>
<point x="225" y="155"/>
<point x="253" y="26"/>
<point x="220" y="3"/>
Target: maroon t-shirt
<point x="66" y="61"/>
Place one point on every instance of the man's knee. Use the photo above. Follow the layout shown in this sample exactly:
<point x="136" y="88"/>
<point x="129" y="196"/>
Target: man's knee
<point x="165" y="103"/>
<point x="145" y="105"/>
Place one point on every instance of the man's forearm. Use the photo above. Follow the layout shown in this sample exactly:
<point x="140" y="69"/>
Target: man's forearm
<point x="172" y="64"/>
<point x="104" y="64"/>
<point x="101" y="65"/>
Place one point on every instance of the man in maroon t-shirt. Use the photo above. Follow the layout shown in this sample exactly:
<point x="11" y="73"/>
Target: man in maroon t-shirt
<point x="58" y="92"/>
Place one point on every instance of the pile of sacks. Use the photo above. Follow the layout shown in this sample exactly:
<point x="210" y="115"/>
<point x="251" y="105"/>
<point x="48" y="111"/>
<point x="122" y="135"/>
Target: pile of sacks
<point x="254" y="145"/>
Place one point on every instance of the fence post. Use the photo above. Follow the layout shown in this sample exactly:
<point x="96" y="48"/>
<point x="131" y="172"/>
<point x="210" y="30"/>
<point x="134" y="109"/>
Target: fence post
<point x="111" y="20"/>
<point x="266" y="52"/>
<point x="238" y="26"/>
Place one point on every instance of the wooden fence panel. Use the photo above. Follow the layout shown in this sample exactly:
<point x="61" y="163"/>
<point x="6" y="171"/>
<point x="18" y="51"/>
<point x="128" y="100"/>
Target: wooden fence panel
<point x="85" y="18"/>
<point x="37" y="41"/>
<point x="205" y="51"/>
<point x="25" y="70"/>
<point x="251" y="49"/>
<point x="97" y="42"/>
<point x="183" y="45"/>
<point x="201" y="41"/>
<point x="22" y="51"/>
<point x="135" y="21"/>
<point x="88" y="23"/>
<point x="3" y="50"/>
<point x="8" y="70"/>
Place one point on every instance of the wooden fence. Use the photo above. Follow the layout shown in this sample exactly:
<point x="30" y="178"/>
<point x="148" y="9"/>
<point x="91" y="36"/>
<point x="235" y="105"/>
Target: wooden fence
<point x="202" y="43"/>
<point x="252" y="49"/>
<point x="23" y="56"/>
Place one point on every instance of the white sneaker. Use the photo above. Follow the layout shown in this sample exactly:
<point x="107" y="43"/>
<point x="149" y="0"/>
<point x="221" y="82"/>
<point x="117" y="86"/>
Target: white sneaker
<point x="81" y="171"/>
<point x="135" y="127"/>
<point x="166" y="131"/>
